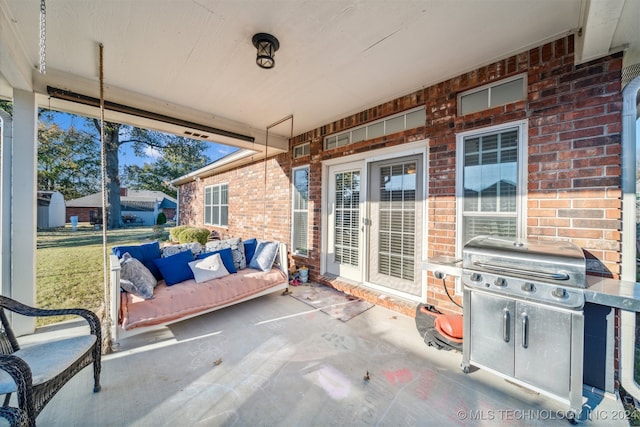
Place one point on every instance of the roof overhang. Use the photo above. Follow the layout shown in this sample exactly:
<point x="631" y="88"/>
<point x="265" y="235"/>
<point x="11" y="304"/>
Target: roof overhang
<point x="194" y="61"/>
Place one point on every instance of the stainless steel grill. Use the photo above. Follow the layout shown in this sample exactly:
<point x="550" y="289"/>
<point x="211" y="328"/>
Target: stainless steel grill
<point x="523" y="313"/>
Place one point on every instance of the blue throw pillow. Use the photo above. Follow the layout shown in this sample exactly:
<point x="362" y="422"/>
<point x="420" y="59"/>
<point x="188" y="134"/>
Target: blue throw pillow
<point x="144" y="253"/>
<point x="227" y="258"/>
<point x="264" y="256"/>
<point x="250" y="248"/>
<point x="175" y="268"/>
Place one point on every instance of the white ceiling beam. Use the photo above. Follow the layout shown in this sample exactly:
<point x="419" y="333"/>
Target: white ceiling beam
<point x="599" y="22"/>
<point x="90" y="88"/>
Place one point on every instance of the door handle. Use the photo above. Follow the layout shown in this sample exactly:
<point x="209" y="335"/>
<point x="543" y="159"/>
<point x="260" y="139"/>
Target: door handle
<point x="506" y="317"/>
<point x="525" y="330"/>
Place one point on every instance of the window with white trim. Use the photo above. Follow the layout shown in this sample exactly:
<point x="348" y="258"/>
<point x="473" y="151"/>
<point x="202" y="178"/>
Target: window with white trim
<point x="300" y="228"/>
<point x="492" y="182"/>
<point x="301" y="150"/>
<point x="492" y="95"/>
<point x="406" y="120"/>
<point x="216" y="205"/>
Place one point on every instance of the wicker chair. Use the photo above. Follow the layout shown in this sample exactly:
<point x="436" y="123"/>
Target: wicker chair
<point x="37" y="372"/>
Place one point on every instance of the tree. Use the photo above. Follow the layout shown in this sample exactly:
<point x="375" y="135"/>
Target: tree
<point x="68" y="161"/>
<point x="178" y="156"/>
<point x="6" y="106"/>
<point x="112" y="143"/>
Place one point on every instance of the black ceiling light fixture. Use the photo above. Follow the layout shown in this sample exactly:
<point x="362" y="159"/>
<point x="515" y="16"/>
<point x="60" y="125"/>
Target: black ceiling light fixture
<point x="267" y="46"/>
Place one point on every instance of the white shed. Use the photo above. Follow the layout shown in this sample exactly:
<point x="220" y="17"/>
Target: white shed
<point x="51" y="209"/>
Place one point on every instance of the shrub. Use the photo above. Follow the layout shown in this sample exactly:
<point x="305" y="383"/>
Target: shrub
<point x="175" y="232"/>
<point x="194" y="234"/>
<point x="162" y="219"/>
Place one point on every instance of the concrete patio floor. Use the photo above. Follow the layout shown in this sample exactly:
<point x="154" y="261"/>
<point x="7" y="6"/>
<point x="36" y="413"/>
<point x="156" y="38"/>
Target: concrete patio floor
<point x="283" y="363"/>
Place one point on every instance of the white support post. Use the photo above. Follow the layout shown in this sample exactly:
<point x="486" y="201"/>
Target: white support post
<point x="5" y="202"/>
<point x="24" y="158"/>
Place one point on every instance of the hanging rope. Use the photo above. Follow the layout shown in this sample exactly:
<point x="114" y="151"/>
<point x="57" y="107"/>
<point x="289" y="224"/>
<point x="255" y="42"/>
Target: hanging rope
<point x="43" y="37"/>
<point x="266" y="149"/>
<point x="106" y="319"/>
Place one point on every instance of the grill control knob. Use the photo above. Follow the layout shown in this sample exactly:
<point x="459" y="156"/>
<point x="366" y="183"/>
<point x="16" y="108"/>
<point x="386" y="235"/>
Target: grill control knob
<point x="528" y="287"/>
<point x="559" y="293"/>
<point x="475" y="277"/>
<point x="500" y="282"/>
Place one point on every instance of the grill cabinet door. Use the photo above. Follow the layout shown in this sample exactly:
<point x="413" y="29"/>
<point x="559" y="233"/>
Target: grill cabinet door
<point x="492" y="332"/>
<point x="543" y="347"/>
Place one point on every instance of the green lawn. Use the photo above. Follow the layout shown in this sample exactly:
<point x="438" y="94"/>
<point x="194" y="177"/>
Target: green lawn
<point x="69" y="265"/>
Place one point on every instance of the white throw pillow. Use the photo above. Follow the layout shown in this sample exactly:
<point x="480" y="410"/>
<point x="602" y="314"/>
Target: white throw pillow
<point x="208" y="268"/>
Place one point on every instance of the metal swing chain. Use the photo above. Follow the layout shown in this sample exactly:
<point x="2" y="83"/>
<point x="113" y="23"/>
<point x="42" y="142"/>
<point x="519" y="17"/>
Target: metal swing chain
<point x="43" y="37"/>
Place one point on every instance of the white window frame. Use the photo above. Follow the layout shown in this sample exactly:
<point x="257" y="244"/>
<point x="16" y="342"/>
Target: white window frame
<point x="521" y="186"/>
<point x="301" y="150"/>
<point x="488" y="88"/>
<point x="214" y="206"/>
<point x="295" y="210"/>
<point x="346" y="137"/>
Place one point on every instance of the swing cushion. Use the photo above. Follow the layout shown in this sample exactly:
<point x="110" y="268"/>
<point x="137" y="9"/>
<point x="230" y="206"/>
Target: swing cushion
<point x="264" y="255"/>
<point x="225" y="255"/>
<point x="175" y="268"/>
<point x="237" y="251"/>
<point x="136" y="278"/>
<point x="144" y="253"/>
<point x="208" y="269"/>
<point x="249" y="248"/>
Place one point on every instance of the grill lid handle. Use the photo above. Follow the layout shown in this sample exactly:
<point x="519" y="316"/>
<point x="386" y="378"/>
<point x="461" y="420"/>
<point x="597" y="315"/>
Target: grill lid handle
<point x="522" y="271"/>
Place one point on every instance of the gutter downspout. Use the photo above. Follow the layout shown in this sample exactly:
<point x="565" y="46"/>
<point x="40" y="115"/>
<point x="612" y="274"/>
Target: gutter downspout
<point x="628" y="318"/>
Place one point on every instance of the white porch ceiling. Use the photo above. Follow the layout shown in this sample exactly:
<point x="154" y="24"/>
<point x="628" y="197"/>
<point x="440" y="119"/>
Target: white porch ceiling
<point x="194" y="60"/>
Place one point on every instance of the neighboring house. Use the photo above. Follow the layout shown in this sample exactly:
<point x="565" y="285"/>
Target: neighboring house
<point x="51" y="209"/>
<point x="367" y="198"/>
<point x="139" y="207"/>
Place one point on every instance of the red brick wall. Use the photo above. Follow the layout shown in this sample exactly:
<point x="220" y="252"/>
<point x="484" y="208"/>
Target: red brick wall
<point x="574" y="156"/>
<point x="574" y="152"/>
<point x="81" y="213"/>
<point x="253" y="203"/>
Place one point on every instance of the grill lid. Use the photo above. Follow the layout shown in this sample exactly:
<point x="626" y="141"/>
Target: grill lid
<point x="557" y="262"/>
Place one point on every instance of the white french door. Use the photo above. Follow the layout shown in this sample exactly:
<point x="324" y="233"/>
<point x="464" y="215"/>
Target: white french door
<point x="374" y="223"/>
<point x="345" y="221"/>
<point x="395" y="210"/>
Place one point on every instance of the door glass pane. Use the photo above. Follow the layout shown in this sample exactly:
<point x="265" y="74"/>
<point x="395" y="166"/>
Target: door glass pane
<point x="347" y="218"/>
<point x="396" y="232"/>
